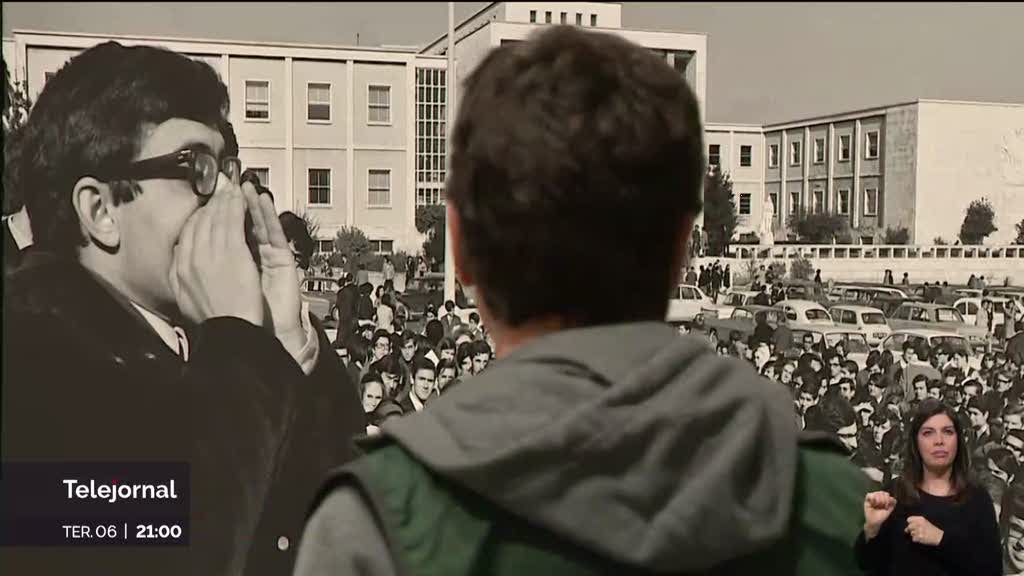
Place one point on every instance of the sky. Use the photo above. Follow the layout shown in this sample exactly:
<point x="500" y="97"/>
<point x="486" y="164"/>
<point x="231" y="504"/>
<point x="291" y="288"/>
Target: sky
<point x="767" y="62"/>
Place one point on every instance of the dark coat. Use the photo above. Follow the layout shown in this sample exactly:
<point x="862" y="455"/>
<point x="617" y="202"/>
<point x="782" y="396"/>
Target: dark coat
<point x="86" y="378"/>
<point x="348" y="307"/>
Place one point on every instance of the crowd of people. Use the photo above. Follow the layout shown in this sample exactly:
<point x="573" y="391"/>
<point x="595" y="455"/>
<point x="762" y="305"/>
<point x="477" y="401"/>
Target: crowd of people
<point x="868" y="408"/>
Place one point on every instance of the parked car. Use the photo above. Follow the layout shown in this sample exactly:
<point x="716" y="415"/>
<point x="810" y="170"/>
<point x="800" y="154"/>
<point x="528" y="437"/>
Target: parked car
<point x="741" y="320"/>
<point x="805" y="312"/>
<point x="805" y="290"/>
<point x="935" y="317"/>
<point x="321" y="292"/>
<point x="686" y="303"/>
<point x="857" y="347"/>
<point x="968" y="308"/>
<point x="733" y="299"/>
<point x="934" y="339"/>
<point x="868" y="321"/>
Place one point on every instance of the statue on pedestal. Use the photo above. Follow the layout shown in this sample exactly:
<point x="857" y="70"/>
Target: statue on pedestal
<point x="766" y="231"/>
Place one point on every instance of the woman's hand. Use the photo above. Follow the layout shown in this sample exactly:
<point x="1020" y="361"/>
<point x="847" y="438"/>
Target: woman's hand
<point x="877" y="508"/>
<point x="923" y="532"/>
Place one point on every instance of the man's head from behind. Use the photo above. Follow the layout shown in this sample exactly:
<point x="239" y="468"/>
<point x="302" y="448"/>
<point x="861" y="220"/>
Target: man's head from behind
<point x="109" y="107"/>
<point x="583" y="141"/>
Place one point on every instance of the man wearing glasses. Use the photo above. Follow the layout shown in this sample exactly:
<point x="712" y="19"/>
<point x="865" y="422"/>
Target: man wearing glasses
<point x="142" y="329"/>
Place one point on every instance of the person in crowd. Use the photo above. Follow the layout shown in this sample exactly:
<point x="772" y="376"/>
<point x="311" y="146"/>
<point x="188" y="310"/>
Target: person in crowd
<point x="906" y="279"/>
<point x="175" y="344"/>
<point x="481" y="356"/>
<point x="447" y="375"/>
<point x="464" y="360"/>
<point x="763" y="332"/>
<point x="817" y="277"/>
<point x="424" y="385"/>
<point x="934" y="519"/>
<point x="388" y="269"/>
<point x="450" y="320"/>
<point x="371" y="390"/>
<point x="572" y="354"/>
<point x="1011" y="527"/>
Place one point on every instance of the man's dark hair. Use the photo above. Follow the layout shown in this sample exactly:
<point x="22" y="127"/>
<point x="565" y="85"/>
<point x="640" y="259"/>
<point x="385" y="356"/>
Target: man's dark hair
<point x="481" y="347"/>
<point x="449" y="305"/>
<point x="474" y="317"/>
<point x="422" y="363"/>
<point x="571" y="132"/>
<point x="90" y="120"/>
<point x="295" y="230"/>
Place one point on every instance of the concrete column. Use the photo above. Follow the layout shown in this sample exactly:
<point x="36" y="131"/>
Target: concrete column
<point x="289" y="135"/>
<point x="783" y="187"/>
<point x="831" y="202"/>
<point x="350" y="156"/>
<point x="855" y="151"/>
<point x="805" y="152"/>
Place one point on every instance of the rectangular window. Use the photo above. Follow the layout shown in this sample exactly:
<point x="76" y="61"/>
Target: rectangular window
<point x="871" y="145"/>
<point x="794" y="153"/>
<point x="794" y="202"/>
<point x="819" y="201"/>
<point x="319" y="186"/>
<point x="325" y="246"/>
<point x="318" y="102"/>
<point x="382" y="247"/>
<point x="257" y="100"/>
<point x="379" y="102"/>
<point x="379" y="188"/>
<point x="844" y="148"/>
<point x="844" y="201"/>
<point x="871" y="201"/>
<point x="773" y="156"/>
<point x="593" y="19"/>
<point x="745" y="154"/>
<point x="819" y="150"/>
<point x="564" y="18"/>
<point x="533" y="16"/>
<point x="263" y="174"/>
<point x="744" y="204"/>
<point x="714" y="155"/>
<point x="775" y="202"/>
<point x="547" y="17"/>
<point x="579" y="19"/>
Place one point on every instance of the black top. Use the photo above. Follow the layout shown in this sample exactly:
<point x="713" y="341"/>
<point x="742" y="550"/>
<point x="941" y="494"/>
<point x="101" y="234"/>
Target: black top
<point x="970" y="542"/>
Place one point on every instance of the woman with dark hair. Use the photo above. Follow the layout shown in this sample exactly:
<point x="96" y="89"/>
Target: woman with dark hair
<point x="933" y="519"/>
<point x="434" y="332"/>
<point x="446" y="349"/>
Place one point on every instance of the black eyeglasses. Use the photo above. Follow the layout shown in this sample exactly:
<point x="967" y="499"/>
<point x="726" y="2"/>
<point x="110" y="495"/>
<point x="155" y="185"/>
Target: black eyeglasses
<point x="199" y="167"/>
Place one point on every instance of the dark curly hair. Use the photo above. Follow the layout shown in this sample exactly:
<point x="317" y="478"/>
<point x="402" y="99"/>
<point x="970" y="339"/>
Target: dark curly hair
<point x="573" y="150"/>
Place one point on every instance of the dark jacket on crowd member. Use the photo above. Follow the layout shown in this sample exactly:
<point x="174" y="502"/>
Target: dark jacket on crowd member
<point x="783" y="337"/>
<point x="87" y="378"/>
<point x="728" y="487"/>
<point x="347" y="303"/>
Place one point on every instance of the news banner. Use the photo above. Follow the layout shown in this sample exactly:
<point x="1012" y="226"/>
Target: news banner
<point x="94" y="504"/>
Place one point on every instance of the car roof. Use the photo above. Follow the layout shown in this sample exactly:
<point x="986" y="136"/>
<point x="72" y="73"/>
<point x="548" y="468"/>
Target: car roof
<point x="926" y="332"/>
<point x="756" y="308"/>
<point x="801" y="303"/>
<point x="855" y="308"/>
<point x="824" y="329"/>
<point x="927" y="305"/>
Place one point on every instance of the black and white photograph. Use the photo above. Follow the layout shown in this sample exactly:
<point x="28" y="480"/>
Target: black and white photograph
<point x="547" y="288"/>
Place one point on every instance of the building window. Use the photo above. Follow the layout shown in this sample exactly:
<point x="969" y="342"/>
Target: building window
<point x="714" y="155"/>
<point x="819" y="201"/>
<point x="775" y="202"/>
<point x="794" y="202"/>
<point x="547" y="17"/>
<point x="744" y="204"/>
<point x="871" y="145"/>
<point x="533" y="16"/>
<point x="379" y="102"/>
<point x="325" y="246"/>
<point x="430" y="136"/>
<point x="844" y="201"/>
<point x="745" y="156"/>
<point x="382" y="247"/>
<point x="564" y="18"/>
<point x="319" y="187"/>
<point x="773" y="155"/>
<point x="794" y="153"/>
<point x="844" y="148"/>
<point x="263" y="174"/>
<point x="318" y="102"/>
<point x="379" y="188"/>
<point x="579" y="18"/>
<point x="257" y="100"/>
<point x="871" y="201"/>
<point x="819" y="150"/>
<point x="593" y="19"/>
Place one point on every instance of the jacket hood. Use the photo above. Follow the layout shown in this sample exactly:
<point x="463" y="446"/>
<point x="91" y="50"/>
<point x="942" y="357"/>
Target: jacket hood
<point x="629" y="440"/>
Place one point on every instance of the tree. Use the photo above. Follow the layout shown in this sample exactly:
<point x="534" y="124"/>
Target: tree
<point x="897" y="236"/>
<point x="352" y="244"/>
<point x="433" y="247"/>
<point x="940" y="241"/>
<point x="428" y="216"/>
<point x="818" y="228"/>
<point x="719" y="211"/>
<point x="1020" y="233"/>
<point x="979" y="222"/>
<point x="312" y="226"/>
<point x="801" y="269"/>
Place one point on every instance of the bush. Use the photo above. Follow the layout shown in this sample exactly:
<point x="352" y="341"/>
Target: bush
<point x="720" y="217"/>
<point x="352" y="244"/>
<point x="801" y="269"/>
<point x="820" y="228"/>
<point x="1020" y="233"/>
<point x="940" y="241"/>
<point x="897" y="236"/>
<point x="979" y="222"/>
